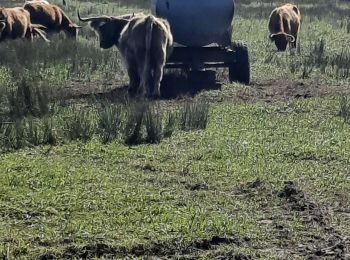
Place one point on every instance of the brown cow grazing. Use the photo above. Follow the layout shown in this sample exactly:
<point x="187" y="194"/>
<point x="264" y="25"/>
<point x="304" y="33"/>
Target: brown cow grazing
<point x="284" y="26"/>
<point x="145" y="42"/>
<point x="52" y="17"/>
<point x="15" y="23"/>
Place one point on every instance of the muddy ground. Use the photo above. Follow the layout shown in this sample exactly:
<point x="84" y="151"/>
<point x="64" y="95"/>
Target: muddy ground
<point x="175" y="86"/>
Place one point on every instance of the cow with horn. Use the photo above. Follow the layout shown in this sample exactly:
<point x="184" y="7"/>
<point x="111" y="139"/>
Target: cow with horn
<point x="145" y="42"/>
<point x="15" y="23"/>
<point x="52" y="17"/>
<point x="284" y="26"/>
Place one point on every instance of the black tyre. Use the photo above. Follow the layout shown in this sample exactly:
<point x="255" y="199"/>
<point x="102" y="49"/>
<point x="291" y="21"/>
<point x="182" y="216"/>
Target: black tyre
<point x="239" y="69"/>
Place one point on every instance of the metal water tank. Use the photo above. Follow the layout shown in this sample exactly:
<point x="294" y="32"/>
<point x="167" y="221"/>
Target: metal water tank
<point x="197" y="22"/>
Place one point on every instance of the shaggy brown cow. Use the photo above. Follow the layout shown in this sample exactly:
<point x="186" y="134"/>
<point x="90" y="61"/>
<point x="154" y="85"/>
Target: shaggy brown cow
<point x="15" y="23"/>
<point x="145" y="42"/>
<point x="284" y="26"/>
<point x="52" y="17"/>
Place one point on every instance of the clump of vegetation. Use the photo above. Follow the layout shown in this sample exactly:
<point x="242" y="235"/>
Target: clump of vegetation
<point x="14" y="135"/>
<point x="49" y="132"/>
<point x="340" y="63"/>
<point x="136" y="123"/>
<point x="110" y="122"/>
<point x="170" y="124"/>
<point x="344" y="108"/>
<point x="80" y="123"/>
<point x="153" y="124"/>
<point x="134" y="120"/>
<point x="194" y="116"/>
<point x="28" y="99"/>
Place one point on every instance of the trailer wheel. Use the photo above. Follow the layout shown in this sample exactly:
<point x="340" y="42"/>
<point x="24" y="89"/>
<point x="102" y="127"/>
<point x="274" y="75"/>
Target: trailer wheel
<point x="239" y="69"/>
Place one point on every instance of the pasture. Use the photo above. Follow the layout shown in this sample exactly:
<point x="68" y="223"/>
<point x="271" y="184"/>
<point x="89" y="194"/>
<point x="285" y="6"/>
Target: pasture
<point x="209" y="171"/>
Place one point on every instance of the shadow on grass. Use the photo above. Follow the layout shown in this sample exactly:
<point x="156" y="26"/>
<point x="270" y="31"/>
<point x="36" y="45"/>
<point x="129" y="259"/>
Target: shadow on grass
<point x="174" y="84"/>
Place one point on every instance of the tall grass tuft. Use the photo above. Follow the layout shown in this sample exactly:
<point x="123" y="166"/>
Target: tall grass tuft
<point x="170" y="124"/>
<point x="49" y="132"/>
<point x="344" y="108"/>
<point x="80" y="124"/>
<point x="28" y="99"/>
<point x="341" y="63"/>
<point x="153" y="124"/>
<point x="34" y="132"/>
<point x="194" y="116"/>
<point x="110" y="122"/>
<point x="15" y="135"/>
<point x="134" y="120"/>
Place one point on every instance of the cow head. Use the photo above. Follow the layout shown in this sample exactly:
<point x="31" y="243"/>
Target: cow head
<point x="281" y="40"/>
<point x="108" y="29"/>
<point x="72" y="30"/>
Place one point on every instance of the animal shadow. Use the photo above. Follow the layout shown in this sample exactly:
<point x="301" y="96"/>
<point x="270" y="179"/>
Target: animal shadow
<point x="179" y="83"/>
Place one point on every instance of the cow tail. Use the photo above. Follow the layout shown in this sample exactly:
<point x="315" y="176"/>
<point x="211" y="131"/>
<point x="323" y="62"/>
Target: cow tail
<point x="147" y="66"/>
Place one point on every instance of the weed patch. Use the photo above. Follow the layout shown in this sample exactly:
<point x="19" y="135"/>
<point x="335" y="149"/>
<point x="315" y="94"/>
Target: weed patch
<point x="194" y="116"/>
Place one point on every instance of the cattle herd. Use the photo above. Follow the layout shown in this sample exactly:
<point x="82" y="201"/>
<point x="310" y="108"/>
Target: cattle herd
<point x="144" y="41"/>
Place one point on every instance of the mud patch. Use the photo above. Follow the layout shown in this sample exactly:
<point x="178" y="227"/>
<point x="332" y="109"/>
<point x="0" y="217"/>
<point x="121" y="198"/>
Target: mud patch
<point x="90" y="251"/>
<point x="197" y="186"/>
<point x="254" y="188"/>
<point x="296" y="200"/>
<point x="207" y="244"/>
<point x="177" y="83"/>
<point x="311" y="157"/>
<point x="21" y="215"/>
<point x="174" y="84"/>
<point x="330" y="246"/>
<point x="232" y="256"/>
<point x="156" y="249"/>
<point x="282" y="89"/>
<point x="92" y="91"/>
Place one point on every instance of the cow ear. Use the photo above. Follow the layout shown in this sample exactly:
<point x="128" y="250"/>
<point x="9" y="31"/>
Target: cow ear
<point x="97" y="24"/>
<point x="272" y="36"/>
<point x="102" y="23"/>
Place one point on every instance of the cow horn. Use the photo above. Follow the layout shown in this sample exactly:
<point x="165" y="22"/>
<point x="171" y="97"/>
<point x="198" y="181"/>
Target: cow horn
<point x="2" y="25"/>
<point x="41" y="33"/>
<point x="291" y="37"/>
<point x="88" y="19"/>
<point x="272" y="35"/>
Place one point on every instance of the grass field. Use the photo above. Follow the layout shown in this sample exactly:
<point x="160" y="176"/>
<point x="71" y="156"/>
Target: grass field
<point x="239" y="172"/>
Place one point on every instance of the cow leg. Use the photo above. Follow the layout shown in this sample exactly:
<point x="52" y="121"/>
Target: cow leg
<point x="29" y="34"/>
<point x="142" y="88"/>
<point x="134" y="81"/>
<point x="158" y="72"/>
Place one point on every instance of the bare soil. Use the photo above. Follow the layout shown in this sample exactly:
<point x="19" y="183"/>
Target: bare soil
<point x="177" y="85"/>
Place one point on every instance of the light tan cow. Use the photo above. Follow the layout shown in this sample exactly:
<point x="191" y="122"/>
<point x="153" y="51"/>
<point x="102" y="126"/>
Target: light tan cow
<point x="145" y="42"/>
<point x="15" y="23"/>
<point x="284" y="26"/>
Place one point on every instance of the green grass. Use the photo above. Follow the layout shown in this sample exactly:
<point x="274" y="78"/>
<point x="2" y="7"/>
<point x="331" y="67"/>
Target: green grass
<point x="90" y="193"/>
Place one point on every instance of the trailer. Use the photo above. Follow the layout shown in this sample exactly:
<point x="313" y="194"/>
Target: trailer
<point x="202" y="32"/>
